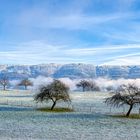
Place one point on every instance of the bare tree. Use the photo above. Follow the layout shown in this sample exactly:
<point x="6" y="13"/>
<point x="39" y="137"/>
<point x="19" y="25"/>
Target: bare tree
<point x="93" y="86"/>
<point x="4" y="81"/>
<point x="84" y="84"/>
<point x="25" y="83"/>
<point x="88" y="86"/>
<point x="56" y="91"/>
<point x="125" y="95"/>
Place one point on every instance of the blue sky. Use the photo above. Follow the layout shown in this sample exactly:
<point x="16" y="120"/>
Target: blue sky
<point x="99" y="32"/>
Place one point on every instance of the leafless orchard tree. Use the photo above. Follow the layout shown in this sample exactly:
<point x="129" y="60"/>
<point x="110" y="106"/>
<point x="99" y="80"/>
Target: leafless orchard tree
<point x="25" y="83"/>
<point x="84" y="84"/>
<point x="4" y="81"/>
<point x="125" y="95"/>
<point x="56" y="91"/>
<point x="87" y="85"/>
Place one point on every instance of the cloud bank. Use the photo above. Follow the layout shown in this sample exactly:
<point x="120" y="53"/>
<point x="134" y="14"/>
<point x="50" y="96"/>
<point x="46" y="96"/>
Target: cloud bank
<point x="37" y="52"/>
<point x="101" y="82"/>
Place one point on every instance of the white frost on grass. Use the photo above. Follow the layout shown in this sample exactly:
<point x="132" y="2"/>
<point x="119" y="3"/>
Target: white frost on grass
<point x="81" y="125"/>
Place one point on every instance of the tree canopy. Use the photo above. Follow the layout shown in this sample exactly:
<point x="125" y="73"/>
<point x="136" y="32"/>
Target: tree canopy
<point x="55" y="91"/>
<point x="25" y="83"/>
<point x="125" y="95"/>
<point x="88" y="85"/>
<point x="4" y="81"/>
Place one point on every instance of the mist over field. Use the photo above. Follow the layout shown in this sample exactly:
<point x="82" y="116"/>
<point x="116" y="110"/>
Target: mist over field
<point x="103" y="83"/>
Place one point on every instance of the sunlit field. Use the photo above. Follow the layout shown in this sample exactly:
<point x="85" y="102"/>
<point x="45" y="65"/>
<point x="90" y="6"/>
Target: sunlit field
<point x="91" y="119"/>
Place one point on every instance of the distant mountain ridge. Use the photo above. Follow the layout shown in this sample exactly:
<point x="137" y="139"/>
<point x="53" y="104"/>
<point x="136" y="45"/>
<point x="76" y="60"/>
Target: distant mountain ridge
<point x="73" y="71"/>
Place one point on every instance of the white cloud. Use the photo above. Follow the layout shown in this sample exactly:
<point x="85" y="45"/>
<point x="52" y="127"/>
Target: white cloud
<point x="71" y="17"/>
<point x="36" y="52"/>
<point x="69" y="21"/>
<point x="124" y="61"/>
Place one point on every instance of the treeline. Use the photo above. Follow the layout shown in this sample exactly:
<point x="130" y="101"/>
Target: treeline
<point x="5" y="83"/>
<point x="74" y="84"/>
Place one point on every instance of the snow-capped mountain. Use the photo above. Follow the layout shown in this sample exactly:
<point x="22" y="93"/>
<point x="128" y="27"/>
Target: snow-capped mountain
<point x="73" y="71"/>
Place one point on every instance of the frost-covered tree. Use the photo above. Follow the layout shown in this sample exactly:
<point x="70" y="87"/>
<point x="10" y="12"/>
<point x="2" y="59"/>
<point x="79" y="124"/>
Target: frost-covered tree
<point x="88" y="85"/>
<point x="84" y="84"/>
<point x="4" y="81"/>
<point x="125" y="95"/>
<point x="25" y="83"/>
<point x="56" y="91"/>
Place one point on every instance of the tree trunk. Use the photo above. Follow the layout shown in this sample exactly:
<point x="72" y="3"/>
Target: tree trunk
<point x="83" y="89"/>
<point x="54" y="103"/>
<point x="25" y="87"/>
<point x="4" y="87"/>
<point x="128" y="113"/>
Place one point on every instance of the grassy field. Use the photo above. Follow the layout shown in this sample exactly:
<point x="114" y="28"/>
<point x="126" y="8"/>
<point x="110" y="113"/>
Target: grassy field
<point x="132" y="116"/>
<point x="91" y="120"/>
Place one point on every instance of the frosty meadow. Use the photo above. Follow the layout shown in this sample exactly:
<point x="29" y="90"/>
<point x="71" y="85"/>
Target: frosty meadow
<point x="87" y="113"/>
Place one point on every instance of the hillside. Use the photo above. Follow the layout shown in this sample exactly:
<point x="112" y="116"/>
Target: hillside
<point x="73" y="71"/>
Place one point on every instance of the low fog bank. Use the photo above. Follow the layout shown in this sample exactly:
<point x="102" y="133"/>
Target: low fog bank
<point x="102" y="83"/>
<point x="41" y="80"/>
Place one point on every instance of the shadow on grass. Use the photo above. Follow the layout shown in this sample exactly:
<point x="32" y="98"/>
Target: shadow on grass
<point x="8" y="108"/>
<point x="132" y="116"/>
<point x="20" y="96"/>
<point x="57" y="110"/>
